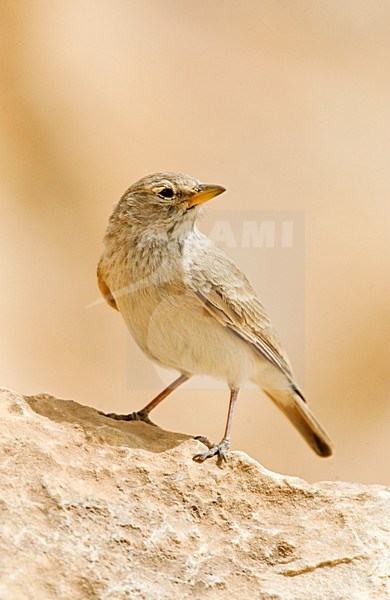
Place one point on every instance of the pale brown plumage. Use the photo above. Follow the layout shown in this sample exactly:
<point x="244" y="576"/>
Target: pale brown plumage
<point x="104" y="289"/>
<point x="188" y="305"/>
<point x="230" y="298"/>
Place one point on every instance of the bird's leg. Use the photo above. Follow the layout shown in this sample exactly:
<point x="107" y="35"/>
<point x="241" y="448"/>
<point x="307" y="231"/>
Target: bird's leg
<point x="143" y="414"/>
<point x="223" y="446"/>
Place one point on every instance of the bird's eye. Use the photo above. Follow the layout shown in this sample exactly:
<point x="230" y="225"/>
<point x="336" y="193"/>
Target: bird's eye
<point x="166" y="193"/>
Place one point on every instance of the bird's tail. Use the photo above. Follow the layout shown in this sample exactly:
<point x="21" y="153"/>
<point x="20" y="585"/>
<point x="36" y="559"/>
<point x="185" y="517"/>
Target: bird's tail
<point x="293" y="405"/>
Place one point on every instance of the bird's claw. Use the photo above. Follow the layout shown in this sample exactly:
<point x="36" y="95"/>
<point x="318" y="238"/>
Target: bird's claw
<point x="135" y="416"/>
<point x="213" y="449"/>
<point x="204" y="440"/>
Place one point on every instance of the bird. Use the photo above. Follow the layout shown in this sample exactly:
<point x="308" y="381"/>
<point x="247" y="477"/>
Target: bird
<point x="189" y="307"/>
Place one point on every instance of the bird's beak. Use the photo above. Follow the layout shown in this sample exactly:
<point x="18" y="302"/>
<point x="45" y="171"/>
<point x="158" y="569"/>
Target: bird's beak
<point x="205" y="193"/>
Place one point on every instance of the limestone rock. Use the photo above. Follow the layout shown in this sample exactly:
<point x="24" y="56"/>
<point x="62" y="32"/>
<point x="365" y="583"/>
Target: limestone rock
<point x="95" y="508"/>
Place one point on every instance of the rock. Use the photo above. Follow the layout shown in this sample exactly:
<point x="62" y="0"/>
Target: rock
<point x="96" y="508"/>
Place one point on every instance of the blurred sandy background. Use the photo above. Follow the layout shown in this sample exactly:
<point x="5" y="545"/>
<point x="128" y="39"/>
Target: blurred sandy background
<point x="287" y="104"/>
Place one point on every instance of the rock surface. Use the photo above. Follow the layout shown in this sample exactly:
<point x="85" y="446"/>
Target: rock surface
<point x="94" y="508"/>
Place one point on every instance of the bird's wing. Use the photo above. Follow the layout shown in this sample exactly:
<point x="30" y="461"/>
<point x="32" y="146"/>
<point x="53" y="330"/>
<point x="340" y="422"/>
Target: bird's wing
<point x="104" y="289"/>
<point x="228" y="296"/>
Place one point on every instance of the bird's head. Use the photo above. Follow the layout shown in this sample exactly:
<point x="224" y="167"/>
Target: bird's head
<point x="168" y="203"/>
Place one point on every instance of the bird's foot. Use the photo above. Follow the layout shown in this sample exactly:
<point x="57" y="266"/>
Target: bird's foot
<point x="213" y="449"/>
<point x="135" y="416"/>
